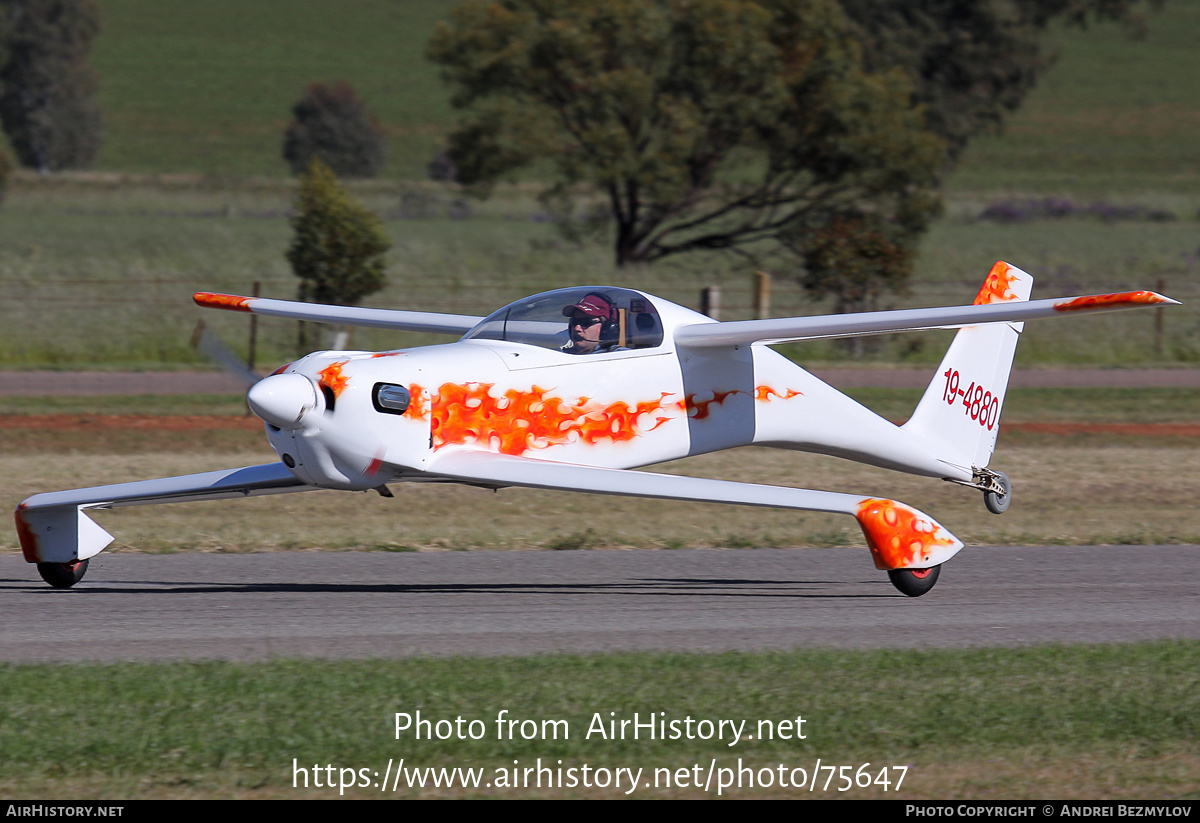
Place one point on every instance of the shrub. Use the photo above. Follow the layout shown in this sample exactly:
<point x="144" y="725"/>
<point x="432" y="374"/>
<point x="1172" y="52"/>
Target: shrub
<point x="338" y="248"/>
<point x="332" y="123"/>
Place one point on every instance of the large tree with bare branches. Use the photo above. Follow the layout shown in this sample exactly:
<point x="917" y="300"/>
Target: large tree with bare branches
<point x="712" y="124"/>
<point x="817" y="129"/>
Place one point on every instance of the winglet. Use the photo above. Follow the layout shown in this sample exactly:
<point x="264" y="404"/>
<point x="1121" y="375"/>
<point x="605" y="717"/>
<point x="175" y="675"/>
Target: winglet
<point x="59" y="535"/>
<point x="900" y="537"/>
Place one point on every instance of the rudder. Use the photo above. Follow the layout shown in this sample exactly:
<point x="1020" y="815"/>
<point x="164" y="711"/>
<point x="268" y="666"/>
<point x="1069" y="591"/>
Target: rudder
<point x="959" y="414"/>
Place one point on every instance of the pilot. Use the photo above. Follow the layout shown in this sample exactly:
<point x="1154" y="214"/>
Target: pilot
<point x="593" y="325"/>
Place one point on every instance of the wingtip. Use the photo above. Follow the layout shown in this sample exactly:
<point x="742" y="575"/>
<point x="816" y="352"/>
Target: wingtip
<point x="230" y="302"/>
<point x="900" y="536"/>
<point x="1128" y="299"/>
<point x="26" y="534"/>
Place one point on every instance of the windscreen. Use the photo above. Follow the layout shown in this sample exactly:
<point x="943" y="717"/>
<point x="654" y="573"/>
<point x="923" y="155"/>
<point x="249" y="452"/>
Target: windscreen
<point x="628" y="319"/>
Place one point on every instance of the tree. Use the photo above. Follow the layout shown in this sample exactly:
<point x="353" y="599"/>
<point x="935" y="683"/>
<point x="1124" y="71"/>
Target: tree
<point x="971" y="63"/>
<point x="48" y="104"/>
<point x="338" y="248"/>
<point x="855" y="260"/>
<point x="712" y="124"/>
<point x="332" y="123"/>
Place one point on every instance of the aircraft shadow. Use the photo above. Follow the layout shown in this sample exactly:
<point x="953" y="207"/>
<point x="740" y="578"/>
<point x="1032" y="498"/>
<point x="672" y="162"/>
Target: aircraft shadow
<point x="638" y="587"/>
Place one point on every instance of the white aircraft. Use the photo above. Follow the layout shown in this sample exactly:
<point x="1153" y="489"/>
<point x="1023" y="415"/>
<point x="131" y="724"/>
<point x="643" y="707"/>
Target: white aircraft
<point x="572" y="389"/>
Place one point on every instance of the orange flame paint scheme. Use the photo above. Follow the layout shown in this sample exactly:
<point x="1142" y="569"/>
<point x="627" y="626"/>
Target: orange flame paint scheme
<point x="518" y="402"/>
<point x="999" y="286"/>
<point x="900" y="537"/>
<point x="331" y="377"/>
<point x="522" y="421"/>
<point x="209" y="300"/>
<point x="1129" y="298"/>
<point x="765" y="393"/>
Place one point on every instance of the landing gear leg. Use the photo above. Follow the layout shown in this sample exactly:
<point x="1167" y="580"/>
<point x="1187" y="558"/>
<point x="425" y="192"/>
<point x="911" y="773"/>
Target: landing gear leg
<point x="996" y="488"/>
<point x="996" y="499"/>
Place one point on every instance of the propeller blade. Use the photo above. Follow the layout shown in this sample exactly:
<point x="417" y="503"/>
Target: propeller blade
<point x="215" y="350"/>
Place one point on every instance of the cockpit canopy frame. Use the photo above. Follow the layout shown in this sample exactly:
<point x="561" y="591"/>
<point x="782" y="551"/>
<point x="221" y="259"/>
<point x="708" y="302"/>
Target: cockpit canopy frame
<point x="541" y="320"/>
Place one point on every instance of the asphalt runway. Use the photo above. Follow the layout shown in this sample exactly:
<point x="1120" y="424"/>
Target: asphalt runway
<point x="363" y="605"/>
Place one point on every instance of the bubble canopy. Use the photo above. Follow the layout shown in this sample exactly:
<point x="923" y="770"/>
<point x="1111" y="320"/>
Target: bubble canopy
<point x="541" y="320"/>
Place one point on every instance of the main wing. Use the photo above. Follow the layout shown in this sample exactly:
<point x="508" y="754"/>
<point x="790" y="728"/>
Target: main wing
<point x="345" y="315"/>
<point x="785" y="329"/>
<point x="899" y="536"/>
<point x="53" y="528"/>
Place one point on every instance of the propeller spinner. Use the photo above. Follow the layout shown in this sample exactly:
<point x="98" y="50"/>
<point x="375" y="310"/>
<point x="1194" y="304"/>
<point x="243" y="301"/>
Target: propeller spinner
<point x="283" y="399"/>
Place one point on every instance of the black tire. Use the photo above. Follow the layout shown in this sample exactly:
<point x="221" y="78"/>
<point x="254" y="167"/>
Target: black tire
<point x="914" y="582"/>
<point x="63" y="575"/>
<point x="999" y="503"/>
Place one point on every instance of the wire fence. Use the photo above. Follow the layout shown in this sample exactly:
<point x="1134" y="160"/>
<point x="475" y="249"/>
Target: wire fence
<point x="738" y="300"/>
<point x="148" y="320"/>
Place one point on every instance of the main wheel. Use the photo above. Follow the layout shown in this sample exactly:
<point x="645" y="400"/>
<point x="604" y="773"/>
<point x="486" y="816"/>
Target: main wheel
<point x="998" y="502"/>
<point x="63" y="575"/>
<point x="914" y="582"/>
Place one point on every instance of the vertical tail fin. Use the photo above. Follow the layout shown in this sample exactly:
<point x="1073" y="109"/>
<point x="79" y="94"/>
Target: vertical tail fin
<point x="960" y="411"/>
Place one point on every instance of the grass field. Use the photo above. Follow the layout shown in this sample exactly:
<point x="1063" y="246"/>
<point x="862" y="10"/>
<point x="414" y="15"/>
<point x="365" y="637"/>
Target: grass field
<point x="1076" y="489"/>
<point x="208" y="88"/>
<point x="92" y="276"/>
<point x="96" y="270"/>
<point x="1114" y="114"/>
<point x="1065" y="495"/>
<point x="1103" y="722"/>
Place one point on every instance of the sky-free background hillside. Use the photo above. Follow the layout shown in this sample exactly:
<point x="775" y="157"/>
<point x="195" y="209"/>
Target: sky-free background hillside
<point x="207" y="87"/>
<point x="191" y="193"/>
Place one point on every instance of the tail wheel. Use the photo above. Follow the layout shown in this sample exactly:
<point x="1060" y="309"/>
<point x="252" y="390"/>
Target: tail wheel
<point x="63" y="575"/>
<point x="914" y="582"/>
<point x="998" y="502"/>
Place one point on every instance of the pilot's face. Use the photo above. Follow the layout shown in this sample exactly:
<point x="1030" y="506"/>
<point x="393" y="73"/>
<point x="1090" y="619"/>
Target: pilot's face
<point x="585" y="331"/>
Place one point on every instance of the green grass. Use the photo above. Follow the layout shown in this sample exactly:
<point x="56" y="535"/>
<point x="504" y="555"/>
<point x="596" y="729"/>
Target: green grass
<point x="961" y="721"/>
<point x="1115" y="114"/>
<point x="209" y="87"/>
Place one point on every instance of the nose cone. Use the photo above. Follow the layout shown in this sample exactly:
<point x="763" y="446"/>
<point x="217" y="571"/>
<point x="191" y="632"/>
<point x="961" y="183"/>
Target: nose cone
<point x="283" y="399"/>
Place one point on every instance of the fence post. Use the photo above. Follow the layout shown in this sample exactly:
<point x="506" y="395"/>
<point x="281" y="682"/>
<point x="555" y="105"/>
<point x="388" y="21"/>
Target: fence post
<point x="762" y="295"/>
<point x="1158" y="318"/>
<point x="254" y="328"/>
<point x="710" y="302"/>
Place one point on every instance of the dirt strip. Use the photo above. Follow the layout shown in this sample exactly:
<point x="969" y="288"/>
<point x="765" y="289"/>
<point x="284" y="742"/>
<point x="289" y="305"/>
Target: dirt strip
<point x="129" y="422"/>
<point x="82" y="384"/>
